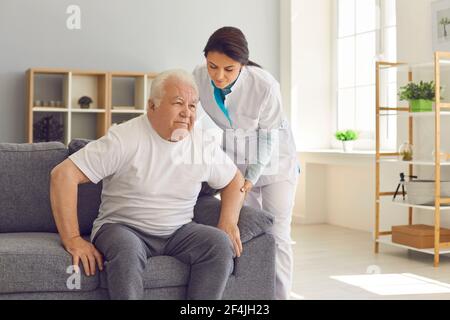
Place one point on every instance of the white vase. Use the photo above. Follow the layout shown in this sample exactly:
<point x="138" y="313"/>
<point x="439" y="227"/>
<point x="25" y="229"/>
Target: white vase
<point x="348" y="145"/>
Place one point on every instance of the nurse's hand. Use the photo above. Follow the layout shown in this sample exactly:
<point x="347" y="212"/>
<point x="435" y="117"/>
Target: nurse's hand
<point x="247" y="186"/>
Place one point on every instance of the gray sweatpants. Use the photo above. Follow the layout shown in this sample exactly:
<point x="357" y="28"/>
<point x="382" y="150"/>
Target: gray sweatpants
<point x="208" y="250"/>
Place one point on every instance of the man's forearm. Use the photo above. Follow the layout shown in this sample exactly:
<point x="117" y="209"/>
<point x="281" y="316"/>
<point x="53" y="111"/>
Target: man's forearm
<point x="63" y="197"/>
<point x="232" y="199"/>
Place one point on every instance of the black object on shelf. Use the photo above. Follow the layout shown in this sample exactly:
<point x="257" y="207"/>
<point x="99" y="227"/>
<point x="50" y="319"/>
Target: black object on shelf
<point x="402" y="184"/>
<point x="48" y="129"/>
<point x="85" y="102"/>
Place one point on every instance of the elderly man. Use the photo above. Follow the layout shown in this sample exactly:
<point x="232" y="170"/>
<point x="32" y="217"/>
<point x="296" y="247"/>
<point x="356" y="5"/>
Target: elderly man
<point x="149" y="194"/>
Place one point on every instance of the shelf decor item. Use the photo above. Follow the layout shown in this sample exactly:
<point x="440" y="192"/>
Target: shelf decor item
<point x="48" y="129"/>
<point x="419" y="236"/>
<point x="440" y="21"/>
<point x="347" y="137"/>
<point x="420" y="95"/>
<point x="84" y="102"/>
<point x="406" y="151"/>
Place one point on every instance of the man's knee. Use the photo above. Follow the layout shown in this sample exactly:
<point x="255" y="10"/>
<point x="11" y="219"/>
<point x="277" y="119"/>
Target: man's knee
<point x="118" y="244"/>
<point x="220" y="244"/>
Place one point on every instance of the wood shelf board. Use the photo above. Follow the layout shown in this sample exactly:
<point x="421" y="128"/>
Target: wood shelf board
<point x="414" y="162"/>
<point x="387" y="64"/>
<point x="404" y="203"/>
<point x="125" y="74"/>
<point x="413" y="114"/>
<point x="89" y="73"/>
<point x="79" y="110"/>
<point x="49" y="71"/>
<point x="44" y="109"/>
<point x="388" y="240"/>
<point x="411" y="66"/>
<point x="127" y="111"/>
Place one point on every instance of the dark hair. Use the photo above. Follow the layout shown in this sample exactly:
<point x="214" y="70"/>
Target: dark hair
<point x="231" y="42"/>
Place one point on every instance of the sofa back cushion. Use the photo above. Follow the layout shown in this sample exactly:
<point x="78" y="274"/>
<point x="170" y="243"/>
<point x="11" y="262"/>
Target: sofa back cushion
<point x="89" y="195"/>
<point x="25" y="185"/>
<point x="252" y="222"/>
<point x="25" y="188"/>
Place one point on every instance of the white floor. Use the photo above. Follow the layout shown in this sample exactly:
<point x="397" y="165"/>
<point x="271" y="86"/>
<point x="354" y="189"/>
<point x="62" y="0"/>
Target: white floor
<point x="325" y="256"/>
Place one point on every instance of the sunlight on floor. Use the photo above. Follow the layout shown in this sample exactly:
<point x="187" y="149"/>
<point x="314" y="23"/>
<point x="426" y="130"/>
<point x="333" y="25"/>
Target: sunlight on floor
<point x="395" y="284"/>
<point x="295" y="296"/>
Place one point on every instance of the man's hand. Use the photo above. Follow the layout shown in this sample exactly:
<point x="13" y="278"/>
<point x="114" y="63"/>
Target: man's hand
<point x="85" y="251"/>
<point x="232" y="200"/>
<point x="233" y="232"/>
<point x="247" y="187"/>
<point x="64" y="181"/>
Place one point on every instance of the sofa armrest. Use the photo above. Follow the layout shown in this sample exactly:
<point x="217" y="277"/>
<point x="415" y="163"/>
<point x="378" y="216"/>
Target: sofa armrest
<point x="252" y="222"/>
<point x="254" y="271"/>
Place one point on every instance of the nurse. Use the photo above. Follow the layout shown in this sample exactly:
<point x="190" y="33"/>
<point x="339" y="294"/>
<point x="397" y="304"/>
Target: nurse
<point x="244" y="100"/>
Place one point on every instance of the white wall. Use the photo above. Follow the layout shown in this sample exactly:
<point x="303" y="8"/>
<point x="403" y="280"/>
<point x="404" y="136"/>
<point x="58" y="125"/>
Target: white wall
<point x="137" y="35"/>
<point x="339" y="189"/>
<point x="286" y="55"/>
<point x="414" y="31"/>
<point x="311" y="94"/>
<point x="342" y="192"/>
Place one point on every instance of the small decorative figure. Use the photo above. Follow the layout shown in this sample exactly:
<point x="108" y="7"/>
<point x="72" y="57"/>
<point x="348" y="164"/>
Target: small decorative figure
<point x="48" y="129"/>
<point x="84" y="102"/>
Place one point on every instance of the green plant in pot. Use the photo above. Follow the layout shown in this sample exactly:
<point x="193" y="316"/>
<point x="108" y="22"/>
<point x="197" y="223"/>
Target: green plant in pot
<point x="347" y="137"/>
<point x="420" y="95"/>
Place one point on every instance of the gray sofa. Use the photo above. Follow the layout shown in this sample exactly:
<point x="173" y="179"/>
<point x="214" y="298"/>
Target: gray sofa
<point x="34" y="265"/>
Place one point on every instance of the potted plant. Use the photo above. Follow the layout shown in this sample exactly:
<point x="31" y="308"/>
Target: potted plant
<point x="420" y="95"/>
<point x="85" y="102"/>
<point x="347" y="137"/>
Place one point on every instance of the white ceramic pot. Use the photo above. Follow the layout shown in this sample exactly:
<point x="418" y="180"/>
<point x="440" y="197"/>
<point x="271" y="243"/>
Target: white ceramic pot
<point x="348" y="145"/>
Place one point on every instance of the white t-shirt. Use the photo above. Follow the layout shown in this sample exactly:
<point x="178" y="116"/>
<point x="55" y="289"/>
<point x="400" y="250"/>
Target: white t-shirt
<point x="150" y="183"/>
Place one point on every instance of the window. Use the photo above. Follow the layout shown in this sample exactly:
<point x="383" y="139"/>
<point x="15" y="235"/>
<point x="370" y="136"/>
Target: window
<point x="366" y="33"/>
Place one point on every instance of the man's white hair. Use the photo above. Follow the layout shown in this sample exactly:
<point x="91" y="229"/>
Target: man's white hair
<point x="157" y="89"/>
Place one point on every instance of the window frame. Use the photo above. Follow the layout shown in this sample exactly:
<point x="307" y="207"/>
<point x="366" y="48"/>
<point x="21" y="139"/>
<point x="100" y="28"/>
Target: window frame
<point x="389" y="126"/>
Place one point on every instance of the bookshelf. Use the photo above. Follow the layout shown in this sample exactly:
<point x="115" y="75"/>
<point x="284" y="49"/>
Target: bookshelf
<point x="54" y="112"/>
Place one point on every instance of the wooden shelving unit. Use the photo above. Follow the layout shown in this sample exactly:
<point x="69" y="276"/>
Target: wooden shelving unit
<point x="117" y="97"/>
<point x="440" y="203"/>
<point x="128" y="95"/>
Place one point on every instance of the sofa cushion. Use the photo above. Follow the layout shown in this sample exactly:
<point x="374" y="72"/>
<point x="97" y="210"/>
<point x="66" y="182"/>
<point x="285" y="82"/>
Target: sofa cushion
<point x="206" y="190"/>
<point x="36" y="262"/>
<point x="25" y="185"/>
<point x="77" y="144"/>
<point x="252" y="222"/>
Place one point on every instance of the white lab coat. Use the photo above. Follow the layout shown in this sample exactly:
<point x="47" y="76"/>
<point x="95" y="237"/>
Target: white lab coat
<point x="254" y="103"/>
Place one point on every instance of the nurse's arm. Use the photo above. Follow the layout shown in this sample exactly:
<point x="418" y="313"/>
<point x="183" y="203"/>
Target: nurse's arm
<point x="232" y="201"/>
